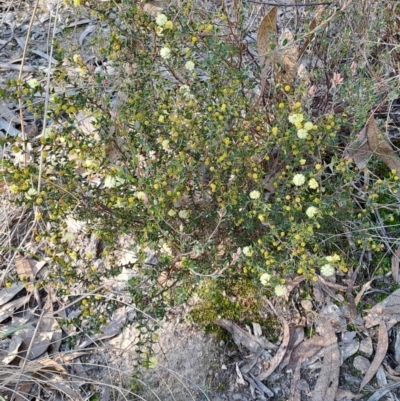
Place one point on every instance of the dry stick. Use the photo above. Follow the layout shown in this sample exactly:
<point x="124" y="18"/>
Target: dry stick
<point x="20" y="373"/>
<point x="290" y="4"/>
<point x="46" y="100"/>
<point x="21" y="115"/>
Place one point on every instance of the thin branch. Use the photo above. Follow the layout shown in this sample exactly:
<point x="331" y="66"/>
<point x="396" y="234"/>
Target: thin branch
<point x="291" y="4"/>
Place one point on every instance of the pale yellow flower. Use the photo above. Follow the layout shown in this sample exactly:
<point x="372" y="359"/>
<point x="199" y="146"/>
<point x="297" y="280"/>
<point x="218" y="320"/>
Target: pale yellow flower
<point x="308" y="126"/>
<point x="14" y="189"/>
<point x="327" y="270"/>
<point x="280" y="290"/>
<point x="165" y="53"/>
<point x="161" y="19"/>
<point x="77" y="58"/>
<point x="264" y="278"/>
<point x="302" y="133"/>
<point x="247" y="251"/>
<point x="255" y="195"/>
<point x="311" y="211"/>
<point x="189" y="65"/>
<point x="296" y="119"/>
<point x="33" y="83"/>
<point x="169" y="25"/>
<point x="183" y="214"/>
<point x="299" y="180"/>
<point x="142" y="196"/>
<point x="313" y="184"/>
<point x="333" y="258"/>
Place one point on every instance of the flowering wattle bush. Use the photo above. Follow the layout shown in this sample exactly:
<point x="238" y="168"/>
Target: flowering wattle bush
<point x="184" y="160"/>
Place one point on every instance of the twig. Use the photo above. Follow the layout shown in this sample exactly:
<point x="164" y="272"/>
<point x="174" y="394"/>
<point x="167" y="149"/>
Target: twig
<point x="290" y="4"/>
<point x="17" y="67"/>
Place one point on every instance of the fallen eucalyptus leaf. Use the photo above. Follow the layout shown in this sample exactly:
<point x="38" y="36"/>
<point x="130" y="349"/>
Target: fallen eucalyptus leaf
<point x="328" y="379"/>
<point x="381" y="146"/>
<point x="381" y="349"/>
<point x="266" y="42"/>
<point x="277" y="359"/>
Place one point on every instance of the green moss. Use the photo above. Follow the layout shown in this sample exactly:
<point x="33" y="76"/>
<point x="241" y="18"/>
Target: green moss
<point x="238" y="299"/>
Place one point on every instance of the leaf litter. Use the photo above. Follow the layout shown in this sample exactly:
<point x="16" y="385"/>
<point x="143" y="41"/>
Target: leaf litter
<point x="294" y="348"/>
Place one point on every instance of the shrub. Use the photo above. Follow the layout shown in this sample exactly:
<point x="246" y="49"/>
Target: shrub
<point x="183" y="159"/>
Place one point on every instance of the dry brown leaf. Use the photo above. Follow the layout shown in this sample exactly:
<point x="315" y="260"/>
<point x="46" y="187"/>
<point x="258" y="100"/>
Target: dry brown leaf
<point x="381" y="349"/>
<point x="8" y="309"/>
<point x="294" y="389"/>
<point x="24" y="266"/>
<point x="58" y="383"/>
<point x="312" y="26"/>
<point x="45" y="365"/>
<point x="286" y="58"/>
<point x="38" y="342"/>
<point x="343" y="394"/>
<point x="277" y="359"/>
<point x="8" y="293"/>
<point x="22" y="391"/>
<point x="89" y="29"/>
<point x="364" y="288"/>
<point x="13" y="349"/>
<point x="242" y="337"/>
<point x="395" y="265"/>
<point x="49" y="324"/>
<point x="306" y="349"/>
<point x="7" y="114"/>
<point x="380" y="145"/>
<point x="152" y="9"/>
<point x="328" y="379"/>
<point x="319" y="295"/>
<point x="293" y="284"/>
<point x="359" y="150"/>
<point x="296" y="337"/>
<point x="387" y="310"/>
<point x="266" y="36"/>
<point x="8" y="128"/>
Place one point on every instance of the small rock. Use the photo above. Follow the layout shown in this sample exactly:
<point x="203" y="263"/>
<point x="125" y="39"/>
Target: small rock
<point x="9" y="17"/>
<point x="307" y="305"/>
<point x="366" y="346"/>
<point x="352" y="380"/>
<point x="361" y="363"/>
<point x="349" y="349"/>
<point x="348" y="336"/>
<point x="303" y="386"/>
